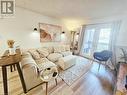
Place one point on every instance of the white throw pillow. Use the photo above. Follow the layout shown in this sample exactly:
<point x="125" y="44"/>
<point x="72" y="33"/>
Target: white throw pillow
<point x="43" y="51"/>
<point x="54" y="57"/>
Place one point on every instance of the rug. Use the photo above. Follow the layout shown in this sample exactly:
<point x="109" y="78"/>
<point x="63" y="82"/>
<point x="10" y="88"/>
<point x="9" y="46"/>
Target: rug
<point x="81" y="67"/>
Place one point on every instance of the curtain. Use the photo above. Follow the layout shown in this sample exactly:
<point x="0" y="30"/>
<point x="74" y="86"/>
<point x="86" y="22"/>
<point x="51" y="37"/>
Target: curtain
<point x="113" y="41"/>
<point x="80" y="40"/>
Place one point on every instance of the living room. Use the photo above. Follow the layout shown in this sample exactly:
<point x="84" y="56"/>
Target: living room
<point x="67" y="39"/>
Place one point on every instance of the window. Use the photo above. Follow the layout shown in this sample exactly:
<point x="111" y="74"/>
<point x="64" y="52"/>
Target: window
<point x="96" y="38"/>
<point x="104" y="39"/>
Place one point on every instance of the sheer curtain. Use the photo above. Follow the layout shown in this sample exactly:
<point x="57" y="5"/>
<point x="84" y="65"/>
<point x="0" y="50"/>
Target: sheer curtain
<point x="115" y="31"/>
<point x="81" y="39"/>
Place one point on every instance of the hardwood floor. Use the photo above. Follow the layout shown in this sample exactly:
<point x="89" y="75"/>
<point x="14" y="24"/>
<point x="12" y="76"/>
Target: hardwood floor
<point x="92" y="83"/>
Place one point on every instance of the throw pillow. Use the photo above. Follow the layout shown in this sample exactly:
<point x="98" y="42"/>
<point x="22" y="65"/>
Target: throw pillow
<point x="41" y="60"/>
<point x="35" y="54"/>
<point x="43" y="51"/>
<point x="54" y="57"/>
<point x="58" y="49"/>
<point x="50" y="49"/>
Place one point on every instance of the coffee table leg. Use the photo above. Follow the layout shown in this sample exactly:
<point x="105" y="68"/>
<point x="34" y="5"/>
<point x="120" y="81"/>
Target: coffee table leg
<point x="4" y="73"/>
<point x="46" y="88"/>
<point x="21" y="77"/>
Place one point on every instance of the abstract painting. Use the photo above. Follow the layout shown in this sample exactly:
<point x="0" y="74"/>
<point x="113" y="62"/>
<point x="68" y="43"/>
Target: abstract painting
<point x="49" y="32"/>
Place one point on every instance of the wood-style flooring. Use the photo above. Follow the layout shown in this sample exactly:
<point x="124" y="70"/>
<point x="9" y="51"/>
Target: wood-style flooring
<point x="92" y="83"/>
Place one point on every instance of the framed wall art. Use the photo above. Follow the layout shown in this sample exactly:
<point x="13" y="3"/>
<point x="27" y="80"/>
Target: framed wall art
<point x="50" y="33"/>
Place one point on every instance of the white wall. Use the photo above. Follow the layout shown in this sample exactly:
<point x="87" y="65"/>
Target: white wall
<point x="20" y="28"/>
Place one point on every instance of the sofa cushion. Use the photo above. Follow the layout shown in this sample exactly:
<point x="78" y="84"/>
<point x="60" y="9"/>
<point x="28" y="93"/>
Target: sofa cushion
<point x="66" y="53"/>
<point x="43" y="51"/>
<point x="66" y="62"/>
<point x="54" y="56"/>
<point x="35" y="54"/>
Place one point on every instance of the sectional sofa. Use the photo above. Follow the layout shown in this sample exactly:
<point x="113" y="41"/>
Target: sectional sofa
<point x="36" y="58"/>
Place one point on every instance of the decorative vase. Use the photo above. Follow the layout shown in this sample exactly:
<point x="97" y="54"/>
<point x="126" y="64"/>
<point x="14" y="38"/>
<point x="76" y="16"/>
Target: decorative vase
<point x="12" y="51"/>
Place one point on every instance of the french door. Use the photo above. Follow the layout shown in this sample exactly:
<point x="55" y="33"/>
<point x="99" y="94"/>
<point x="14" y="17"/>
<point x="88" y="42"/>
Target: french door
<point x="96" y="38"/>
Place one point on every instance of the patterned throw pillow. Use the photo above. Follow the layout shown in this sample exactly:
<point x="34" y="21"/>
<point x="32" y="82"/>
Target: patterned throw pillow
<point x="54" y="56"/>
<point x="43" y="51"/>
<point x="35" y="54"/>
<point x="41" y="60"/>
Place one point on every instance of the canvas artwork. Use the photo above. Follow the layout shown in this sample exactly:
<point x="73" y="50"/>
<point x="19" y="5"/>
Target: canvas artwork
<point x="49" y="32"/>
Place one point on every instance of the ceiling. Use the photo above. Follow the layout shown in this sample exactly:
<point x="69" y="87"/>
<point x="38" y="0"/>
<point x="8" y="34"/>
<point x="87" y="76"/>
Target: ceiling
<point x="83" y="9"/>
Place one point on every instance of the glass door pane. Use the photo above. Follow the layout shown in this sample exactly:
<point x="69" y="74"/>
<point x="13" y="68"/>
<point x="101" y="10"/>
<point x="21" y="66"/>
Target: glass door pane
<point x="104" y="39"/>
<point x="88" y="42"/>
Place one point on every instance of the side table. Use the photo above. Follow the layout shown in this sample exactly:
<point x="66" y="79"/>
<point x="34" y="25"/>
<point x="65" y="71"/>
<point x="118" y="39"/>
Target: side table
<point x="48" y="74"/>
<point x="9" y="61"/>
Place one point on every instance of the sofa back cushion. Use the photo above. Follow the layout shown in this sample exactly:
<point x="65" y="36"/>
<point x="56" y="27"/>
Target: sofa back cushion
<point x="50" y="49"/>
<point x="58" y="49"/>
<point x="67" y="47"/>
<point x="43" y="52"/>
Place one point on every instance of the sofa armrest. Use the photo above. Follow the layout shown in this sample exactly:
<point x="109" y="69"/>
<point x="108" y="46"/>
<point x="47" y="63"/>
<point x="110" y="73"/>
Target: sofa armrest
<point x="30" y="76"/>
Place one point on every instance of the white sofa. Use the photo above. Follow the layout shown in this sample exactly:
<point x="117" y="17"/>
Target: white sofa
<point x="34" y="58"/>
